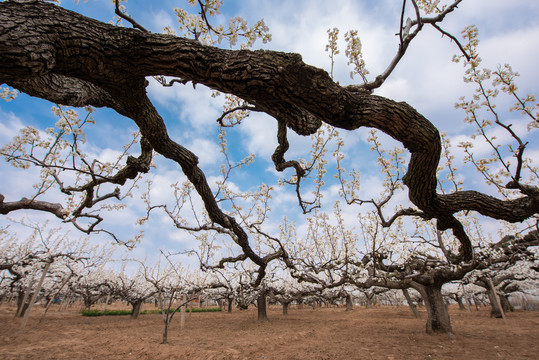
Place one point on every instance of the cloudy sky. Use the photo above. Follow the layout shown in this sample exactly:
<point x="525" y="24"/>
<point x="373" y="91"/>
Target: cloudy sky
<point x="426" y="79"/>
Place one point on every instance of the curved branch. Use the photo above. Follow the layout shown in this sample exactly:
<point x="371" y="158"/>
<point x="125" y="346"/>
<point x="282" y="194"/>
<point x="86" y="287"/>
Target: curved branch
<point x="264" y="78"/>
<point x="237" y="108"/>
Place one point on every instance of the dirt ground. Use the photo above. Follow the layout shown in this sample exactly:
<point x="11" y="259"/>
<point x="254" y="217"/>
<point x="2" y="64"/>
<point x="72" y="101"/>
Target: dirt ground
<point x="324" y="333"/>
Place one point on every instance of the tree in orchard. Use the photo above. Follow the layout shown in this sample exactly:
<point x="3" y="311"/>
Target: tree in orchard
<point x="72" y="60"/>
<point x="133" y="289"/>
<point x="508" y="164"/>
<point x="456" y="292"/>
<point x="92" y="285"/>
<point x="224" y="293"/>
<point x="173" y="286"/>
<point x="502" y="279"/>
<point x="286" y="290"/>
<point x="425" y="268"/>
<point x="37" y="264"/>
<point x="425" y="260"/>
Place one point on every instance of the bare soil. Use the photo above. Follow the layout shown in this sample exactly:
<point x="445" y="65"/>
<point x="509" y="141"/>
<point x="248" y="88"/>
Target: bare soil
<point x="324" y="333"/>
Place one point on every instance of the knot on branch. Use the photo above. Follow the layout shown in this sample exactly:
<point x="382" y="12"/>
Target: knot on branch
<point x="525" y="189"/>
<point x="304" y="125"/>
<point x="298" y="119"/>
<point x="138" y="164"/>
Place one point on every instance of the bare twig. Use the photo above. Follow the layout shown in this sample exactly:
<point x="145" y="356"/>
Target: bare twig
<point x="118" y="12"/>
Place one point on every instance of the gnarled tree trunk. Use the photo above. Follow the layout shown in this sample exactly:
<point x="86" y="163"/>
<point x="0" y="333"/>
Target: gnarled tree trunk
<point x="438" y="320"/>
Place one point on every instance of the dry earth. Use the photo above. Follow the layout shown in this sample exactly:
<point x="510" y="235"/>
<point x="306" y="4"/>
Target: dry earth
<point x="326" y="333"/>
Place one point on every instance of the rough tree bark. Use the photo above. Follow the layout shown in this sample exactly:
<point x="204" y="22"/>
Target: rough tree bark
<point x="493" y="297"/>
<point x="137" y="306"/>
<point x="61" y="56"/>
<point x="261" y="305"/>
<point x="438" y="320"/>
<point x="349" y="302"/>
<point x="429" y="286"/>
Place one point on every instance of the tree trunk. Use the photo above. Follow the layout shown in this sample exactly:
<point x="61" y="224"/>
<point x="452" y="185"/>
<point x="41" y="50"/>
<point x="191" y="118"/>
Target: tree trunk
<point x="87" y="300"/>
<point x="461" y="304"/>
<point x="369" y="300"/>
<point x="495" y="311"/>
<point x="230" y="301"/>
<point x="286" y="305"/>
<point x="410" y="302"/>
<point x="506" y="305"/>
<point x="107" y="302"/>
<point x="165" y="331"/>
<point x="34" y="295"/>
<point x="22" y="302"/>
<point x="137" y="305"/>
<point x="261" y="306"/>
<point x="349" y="302"/>
<point x="476" y="303"/>
<point x="438" y="320"/>
<point x="182" y="311"/>
<point x="468" y="303"/>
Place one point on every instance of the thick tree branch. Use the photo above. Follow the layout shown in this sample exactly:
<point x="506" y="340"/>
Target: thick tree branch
<point x="29" y="204"/>
<point x="39" y="40"/>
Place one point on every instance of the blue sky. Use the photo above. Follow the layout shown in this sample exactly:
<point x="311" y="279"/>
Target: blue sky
<point x="426" y="79"/>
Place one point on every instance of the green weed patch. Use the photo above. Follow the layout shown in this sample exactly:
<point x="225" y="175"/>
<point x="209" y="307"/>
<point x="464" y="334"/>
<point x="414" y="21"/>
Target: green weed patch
<point x="105" y="312"/>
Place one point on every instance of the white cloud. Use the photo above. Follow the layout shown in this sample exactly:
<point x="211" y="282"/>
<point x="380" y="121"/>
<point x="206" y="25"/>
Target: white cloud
<point x="426" y="78"/>
<point x="303" y="30"/>
<point x="206" y="150"/>
<point x="162" y="19"/>
<point x="180" y="237"/>
<point x="109" y="155"/>
<point x="260" y="134"/>
<point x="9" y="127"/>
<point x="517" y="48"/>
<point x="192" y="106"/>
